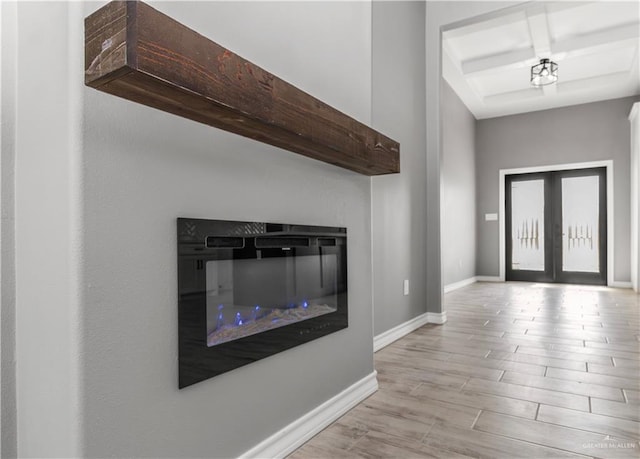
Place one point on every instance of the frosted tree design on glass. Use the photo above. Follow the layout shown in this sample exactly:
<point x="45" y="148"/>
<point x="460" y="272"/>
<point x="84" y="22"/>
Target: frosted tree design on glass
<point x="527" y="216"/>
<point x="580" y="235"/>
<point x="530" y="239"/>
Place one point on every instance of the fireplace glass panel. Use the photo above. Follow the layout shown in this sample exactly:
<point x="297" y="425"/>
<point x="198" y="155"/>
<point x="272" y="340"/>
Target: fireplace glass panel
<point x="249" y="296"/>
<point x="248" y="290"/>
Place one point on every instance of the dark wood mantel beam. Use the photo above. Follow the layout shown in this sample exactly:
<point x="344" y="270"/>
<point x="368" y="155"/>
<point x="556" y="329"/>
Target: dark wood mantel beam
<point x="135" y="52"/>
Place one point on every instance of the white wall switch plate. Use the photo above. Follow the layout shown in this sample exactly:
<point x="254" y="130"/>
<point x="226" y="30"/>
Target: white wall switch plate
<point x="406" y="286"/>
<point x="491" y="217"/>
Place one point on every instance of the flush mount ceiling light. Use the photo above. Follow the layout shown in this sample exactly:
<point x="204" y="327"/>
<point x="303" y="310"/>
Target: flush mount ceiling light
<point x="544" y="73"/>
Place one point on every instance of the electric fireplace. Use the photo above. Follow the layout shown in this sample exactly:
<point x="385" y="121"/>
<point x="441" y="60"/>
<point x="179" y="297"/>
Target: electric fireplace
<point x="248" y="290"/>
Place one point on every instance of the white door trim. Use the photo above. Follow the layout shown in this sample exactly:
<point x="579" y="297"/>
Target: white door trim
<point x="608" y="164"/>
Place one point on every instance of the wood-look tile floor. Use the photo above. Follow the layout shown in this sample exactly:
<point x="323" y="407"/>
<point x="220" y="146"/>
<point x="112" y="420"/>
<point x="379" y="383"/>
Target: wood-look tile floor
<point x="518" y="370"/>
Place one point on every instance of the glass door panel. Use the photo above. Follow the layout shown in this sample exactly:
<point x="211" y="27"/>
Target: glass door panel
<point x="529" y="245"/>
<point x="580" y="225"/>
<point x="527" y="229"/>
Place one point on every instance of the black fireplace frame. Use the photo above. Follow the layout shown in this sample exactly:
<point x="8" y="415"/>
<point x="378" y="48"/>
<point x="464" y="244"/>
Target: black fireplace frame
<point x="200" y="241"/>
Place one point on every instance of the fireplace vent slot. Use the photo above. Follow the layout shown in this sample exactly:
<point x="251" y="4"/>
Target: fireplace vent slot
<point x="281" y="242"/>
<point x="218" y="242"/>
<point x="326" y="241"/>
<point x="274" y="227"/>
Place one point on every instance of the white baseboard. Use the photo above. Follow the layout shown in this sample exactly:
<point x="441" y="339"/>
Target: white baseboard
<point x="291" y="437"/>
<point x="397" y="332"/>
<point x="488" y="279"/>
<point x="437" y="317"/>
<point x="456" y="285"/>
<point x="617" y="284"/>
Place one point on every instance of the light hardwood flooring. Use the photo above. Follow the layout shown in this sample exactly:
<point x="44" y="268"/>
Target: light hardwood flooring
<point x="518" y="370"/>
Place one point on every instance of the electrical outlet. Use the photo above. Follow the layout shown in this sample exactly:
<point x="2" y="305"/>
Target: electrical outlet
<point x="406" y="287"/>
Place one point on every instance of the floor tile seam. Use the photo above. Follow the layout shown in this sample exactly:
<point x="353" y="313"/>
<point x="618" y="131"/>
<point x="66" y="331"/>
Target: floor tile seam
<point x="612" y="386"/>
<point x="570" y="360"/>
<point x="428" y="425"/>
<point x="549" y="423"/>
<point x="428" y="431"/>
<point x="563" y="391"/>
<point x="448" y="360"/>
<point x="498" y="436"/>
<point x="637" y="419"/>
<point x="524" y="399"/>
<point x="444" y="370"/>
<point x="520" y="440"/>
<point x="552" y="358"/>
<point x="492" y="410"/>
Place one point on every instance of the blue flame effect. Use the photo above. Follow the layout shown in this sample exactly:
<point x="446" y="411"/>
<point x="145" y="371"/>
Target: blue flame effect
<point x="238" y="320"/>
<point x="254" y="314"/>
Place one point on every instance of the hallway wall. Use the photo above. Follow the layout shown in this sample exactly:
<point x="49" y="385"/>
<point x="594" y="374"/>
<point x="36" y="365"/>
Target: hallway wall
<point x="458" y="175"/>
<point x="399" y="201"/>
<point x="580" y="133"/>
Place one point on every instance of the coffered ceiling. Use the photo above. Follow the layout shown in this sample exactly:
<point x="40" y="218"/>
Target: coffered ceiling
<point x="487" y="61"/>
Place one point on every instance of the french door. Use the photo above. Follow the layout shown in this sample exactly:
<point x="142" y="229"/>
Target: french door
<point x="556" y="226"/>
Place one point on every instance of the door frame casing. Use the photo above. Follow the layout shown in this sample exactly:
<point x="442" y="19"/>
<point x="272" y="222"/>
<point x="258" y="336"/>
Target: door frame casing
<point x="608" y="164"/>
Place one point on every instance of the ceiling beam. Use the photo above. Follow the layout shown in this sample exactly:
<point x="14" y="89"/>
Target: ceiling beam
<point x="570" y="47"/>
<point x="596" y="41"/>
<point x="498" y="62"/>
<point x="583" y="84"/>
<point x="511" y="97"/>
<point x="504" y="16"/>
<point x="489" y="21"/>
<point x="541" y="39"/>
<point x="539" y="31"/>
<point x="612" y="79"/>
<point x="463" y="88"/>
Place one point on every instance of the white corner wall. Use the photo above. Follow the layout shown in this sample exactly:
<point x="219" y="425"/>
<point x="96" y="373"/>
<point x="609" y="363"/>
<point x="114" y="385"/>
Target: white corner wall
<point x="99" y="183"/>
<point x="47" y="304"/>
<point x="634" y="119"/>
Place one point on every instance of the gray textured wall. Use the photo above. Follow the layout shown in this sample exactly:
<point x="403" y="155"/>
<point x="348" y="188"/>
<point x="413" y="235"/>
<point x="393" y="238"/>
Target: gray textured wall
<point x="399" y="201"/>
<point x="8" y="434"/>
<point x="145" y="168"/>
<point x="458" y="175"/>
<point x="581" y="133"/>
<point x="99" y="184"/>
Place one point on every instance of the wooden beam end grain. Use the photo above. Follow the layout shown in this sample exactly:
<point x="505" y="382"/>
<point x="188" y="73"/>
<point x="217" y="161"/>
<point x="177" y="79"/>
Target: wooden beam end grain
<point x="106" y="45"/>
